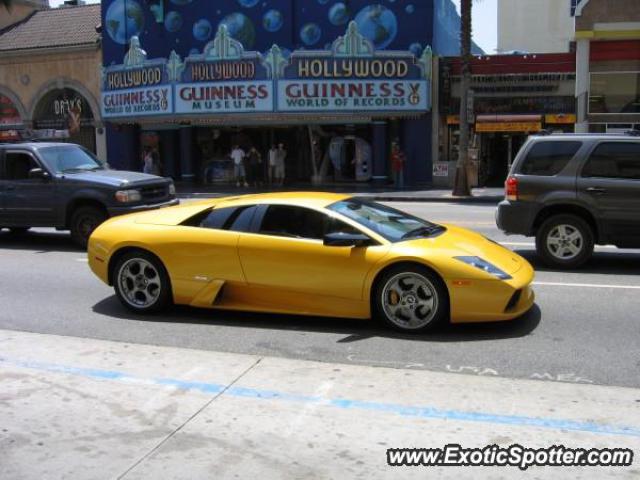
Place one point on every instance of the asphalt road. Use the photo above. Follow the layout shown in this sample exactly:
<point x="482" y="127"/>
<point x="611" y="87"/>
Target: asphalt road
<point x="585" y="327"/>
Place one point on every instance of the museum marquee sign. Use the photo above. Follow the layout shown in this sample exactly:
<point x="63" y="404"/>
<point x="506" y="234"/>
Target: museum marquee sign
<point x="352" y="77"/>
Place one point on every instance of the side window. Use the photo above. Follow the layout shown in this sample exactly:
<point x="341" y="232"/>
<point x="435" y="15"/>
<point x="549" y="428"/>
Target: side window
<point x="296" y="222"/>
<point x="547" y="159"/>
<point x="334" y="225"/>
<point x="237" y="219"/>
<point x="18" y="165"/>
<point x="240" y="220"/>
<point x="218" y="218"/>
<point x="614" y="160"/>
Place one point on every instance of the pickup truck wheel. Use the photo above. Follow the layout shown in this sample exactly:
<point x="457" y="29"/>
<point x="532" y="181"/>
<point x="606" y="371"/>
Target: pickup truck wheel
<point x="83" y="222"/>
<point x="565" y="241"/>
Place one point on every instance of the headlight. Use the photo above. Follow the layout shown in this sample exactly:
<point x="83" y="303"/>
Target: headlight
<point x="485" y="266"/>
<point x="172" y="189"/>
<point x="128" y="196"/>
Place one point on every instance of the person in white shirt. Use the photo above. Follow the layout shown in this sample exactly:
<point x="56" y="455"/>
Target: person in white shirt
<point x="239" y="172"/>
<point x="273" y="161"/>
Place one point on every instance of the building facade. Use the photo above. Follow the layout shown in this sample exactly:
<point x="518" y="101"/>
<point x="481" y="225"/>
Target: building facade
<point x="512" y="96"/>
<point x="334" y="82"/>
<point x="50" y="74"/>
<point x="607" y="34"/>
<point x="539" y="26"/>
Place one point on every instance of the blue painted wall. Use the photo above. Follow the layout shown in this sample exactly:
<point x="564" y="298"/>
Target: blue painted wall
<point x="292" y="24"/>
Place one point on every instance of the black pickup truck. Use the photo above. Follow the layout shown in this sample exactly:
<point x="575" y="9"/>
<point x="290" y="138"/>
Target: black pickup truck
<point x="65" y="186"/>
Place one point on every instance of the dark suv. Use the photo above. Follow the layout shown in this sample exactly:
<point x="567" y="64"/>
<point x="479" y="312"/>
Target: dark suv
<point x="64" y="186"/>
<point x="574" y="191"/>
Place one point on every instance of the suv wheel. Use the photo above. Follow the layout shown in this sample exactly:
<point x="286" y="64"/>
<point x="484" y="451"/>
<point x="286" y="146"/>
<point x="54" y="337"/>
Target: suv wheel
<point x="83" y="222"/>
<point x="565" y="241"/>
<point x="141" y="282"/>
<point x="410" y="299"/>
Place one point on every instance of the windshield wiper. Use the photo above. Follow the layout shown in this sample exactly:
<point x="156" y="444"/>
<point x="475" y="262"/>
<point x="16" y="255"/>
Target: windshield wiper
<point x="420" y="231"/>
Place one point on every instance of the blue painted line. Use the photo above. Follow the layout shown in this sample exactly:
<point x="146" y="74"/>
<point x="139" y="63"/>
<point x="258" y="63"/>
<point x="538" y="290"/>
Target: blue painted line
<point x="423" y="412"/>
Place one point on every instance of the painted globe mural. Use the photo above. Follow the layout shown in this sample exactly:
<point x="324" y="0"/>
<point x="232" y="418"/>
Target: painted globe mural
<point x="378" y="24"/>
<point x="339" y="14"/>
<point x="248" y="3"/>
<point x="121" y="25"/>
<point x="416" y="49"/>
<point x="202" y="30"/>
<point x="272" y="21"/>
<point x="241" y="28"/>
<point x="173" y="22"/>
<point x="310" y="34"/>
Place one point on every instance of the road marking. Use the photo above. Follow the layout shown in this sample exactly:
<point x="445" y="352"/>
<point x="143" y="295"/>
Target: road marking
<point x="416" y="411"/>
<point x="82" y="260"/>
<point x="585" y="285"/>
<point x="531" y="244"/>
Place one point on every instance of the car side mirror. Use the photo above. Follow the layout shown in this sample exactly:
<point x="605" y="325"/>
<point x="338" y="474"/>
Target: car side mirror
<point x="341" y="239"/>
<point x="39" y="173"/>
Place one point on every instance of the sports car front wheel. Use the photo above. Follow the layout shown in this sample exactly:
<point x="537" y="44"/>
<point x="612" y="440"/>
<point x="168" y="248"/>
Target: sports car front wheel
<point x="411" y="299"/>
<point x="141" y="282"/>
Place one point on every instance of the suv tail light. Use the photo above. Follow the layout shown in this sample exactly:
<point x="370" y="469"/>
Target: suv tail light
<point x="511" y="189"/>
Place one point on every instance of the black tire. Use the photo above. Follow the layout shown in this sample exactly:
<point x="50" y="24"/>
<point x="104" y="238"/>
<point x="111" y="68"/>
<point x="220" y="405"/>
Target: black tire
<point x="551" y="228"/>
<point x="19" y="230"/>
<point x="84" y="221"/>
<point x="157" y="300"/>
<point x="437" y="315"/>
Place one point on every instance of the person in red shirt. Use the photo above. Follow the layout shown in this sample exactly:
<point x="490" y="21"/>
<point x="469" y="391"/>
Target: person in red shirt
<point x="397" y="164"/>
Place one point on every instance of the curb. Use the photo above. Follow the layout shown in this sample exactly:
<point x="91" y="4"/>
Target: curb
<point x="485" y="200"/>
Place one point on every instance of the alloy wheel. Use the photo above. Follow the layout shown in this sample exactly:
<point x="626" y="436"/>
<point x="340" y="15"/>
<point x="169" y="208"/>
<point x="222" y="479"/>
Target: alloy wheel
<point x="410" y="301"/>
<point x="565" y="242"/>
<point x="139" y="282"/>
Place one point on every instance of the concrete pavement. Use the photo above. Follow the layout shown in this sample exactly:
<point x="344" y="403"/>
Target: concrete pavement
<point x="91" y="409"/>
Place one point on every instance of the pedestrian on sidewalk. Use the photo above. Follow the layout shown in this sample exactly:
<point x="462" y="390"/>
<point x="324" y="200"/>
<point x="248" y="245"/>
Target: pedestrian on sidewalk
<point x="397" y="164"/>
<point x="255" y="163"/>
<point x="239" y="171"/>
<point x="280" y="164"/>
<point x="273" y="161"/>
<point x="147" y="161"/>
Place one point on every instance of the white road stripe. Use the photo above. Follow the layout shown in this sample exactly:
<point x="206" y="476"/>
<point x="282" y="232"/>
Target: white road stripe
<point x="82" y="259"/>
<point x="585" y="285"/>
<point x="530" y="244"/>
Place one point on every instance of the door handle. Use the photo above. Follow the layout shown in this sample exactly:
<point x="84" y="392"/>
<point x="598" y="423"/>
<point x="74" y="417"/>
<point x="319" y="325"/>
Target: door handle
<point x="597" y="190"/>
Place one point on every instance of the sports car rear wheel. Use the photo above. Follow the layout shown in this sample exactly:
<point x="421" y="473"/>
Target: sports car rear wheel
<point x="411" y="299"/>
<point x="141" y="282"/>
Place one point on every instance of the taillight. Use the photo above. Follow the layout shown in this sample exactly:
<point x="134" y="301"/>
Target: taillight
<point x="511" y="189"/>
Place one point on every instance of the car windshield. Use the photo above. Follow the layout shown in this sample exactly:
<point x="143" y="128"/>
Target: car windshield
<point x="388" y="222"/>
<point x="69" y="159"/>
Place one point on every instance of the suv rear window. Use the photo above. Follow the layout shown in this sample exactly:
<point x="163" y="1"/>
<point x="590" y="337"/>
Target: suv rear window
<point x="549" y="158"/>
<point x="614" y="160"/>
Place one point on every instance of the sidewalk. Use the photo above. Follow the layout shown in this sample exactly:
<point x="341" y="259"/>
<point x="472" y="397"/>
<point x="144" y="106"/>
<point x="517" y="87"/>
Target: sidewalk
<point x="89" y="409"/>
<point x="479" y="195"/>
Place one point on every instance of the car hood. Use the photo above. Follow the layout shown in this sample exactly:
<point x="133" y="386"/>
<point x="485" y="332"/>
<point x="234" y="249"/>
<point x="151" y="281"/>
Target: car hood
<point x="115" y="178"/>
<point x="457" y="242"/>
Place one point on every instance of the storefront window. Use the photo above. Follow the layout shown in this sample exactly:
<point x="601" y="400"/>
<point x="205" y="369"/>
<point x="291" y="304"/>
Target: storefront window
<point x="615" y="93"/>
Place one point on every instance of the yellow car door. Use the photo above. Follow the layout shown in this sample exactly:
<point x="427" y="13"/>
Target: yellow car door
<point x="287" y="255"/>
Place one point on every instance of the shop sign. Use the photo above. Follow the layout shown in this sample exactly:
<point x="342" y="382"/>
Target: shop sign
<point x="139" y="87"/>
<point x="440" y="169"/>
<point x="508" y="127"/>
<point x="561" y="119"/>
<point x="354" y="77"/>
<point x="224" y="79"/>
<point x="351" y="77"/>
